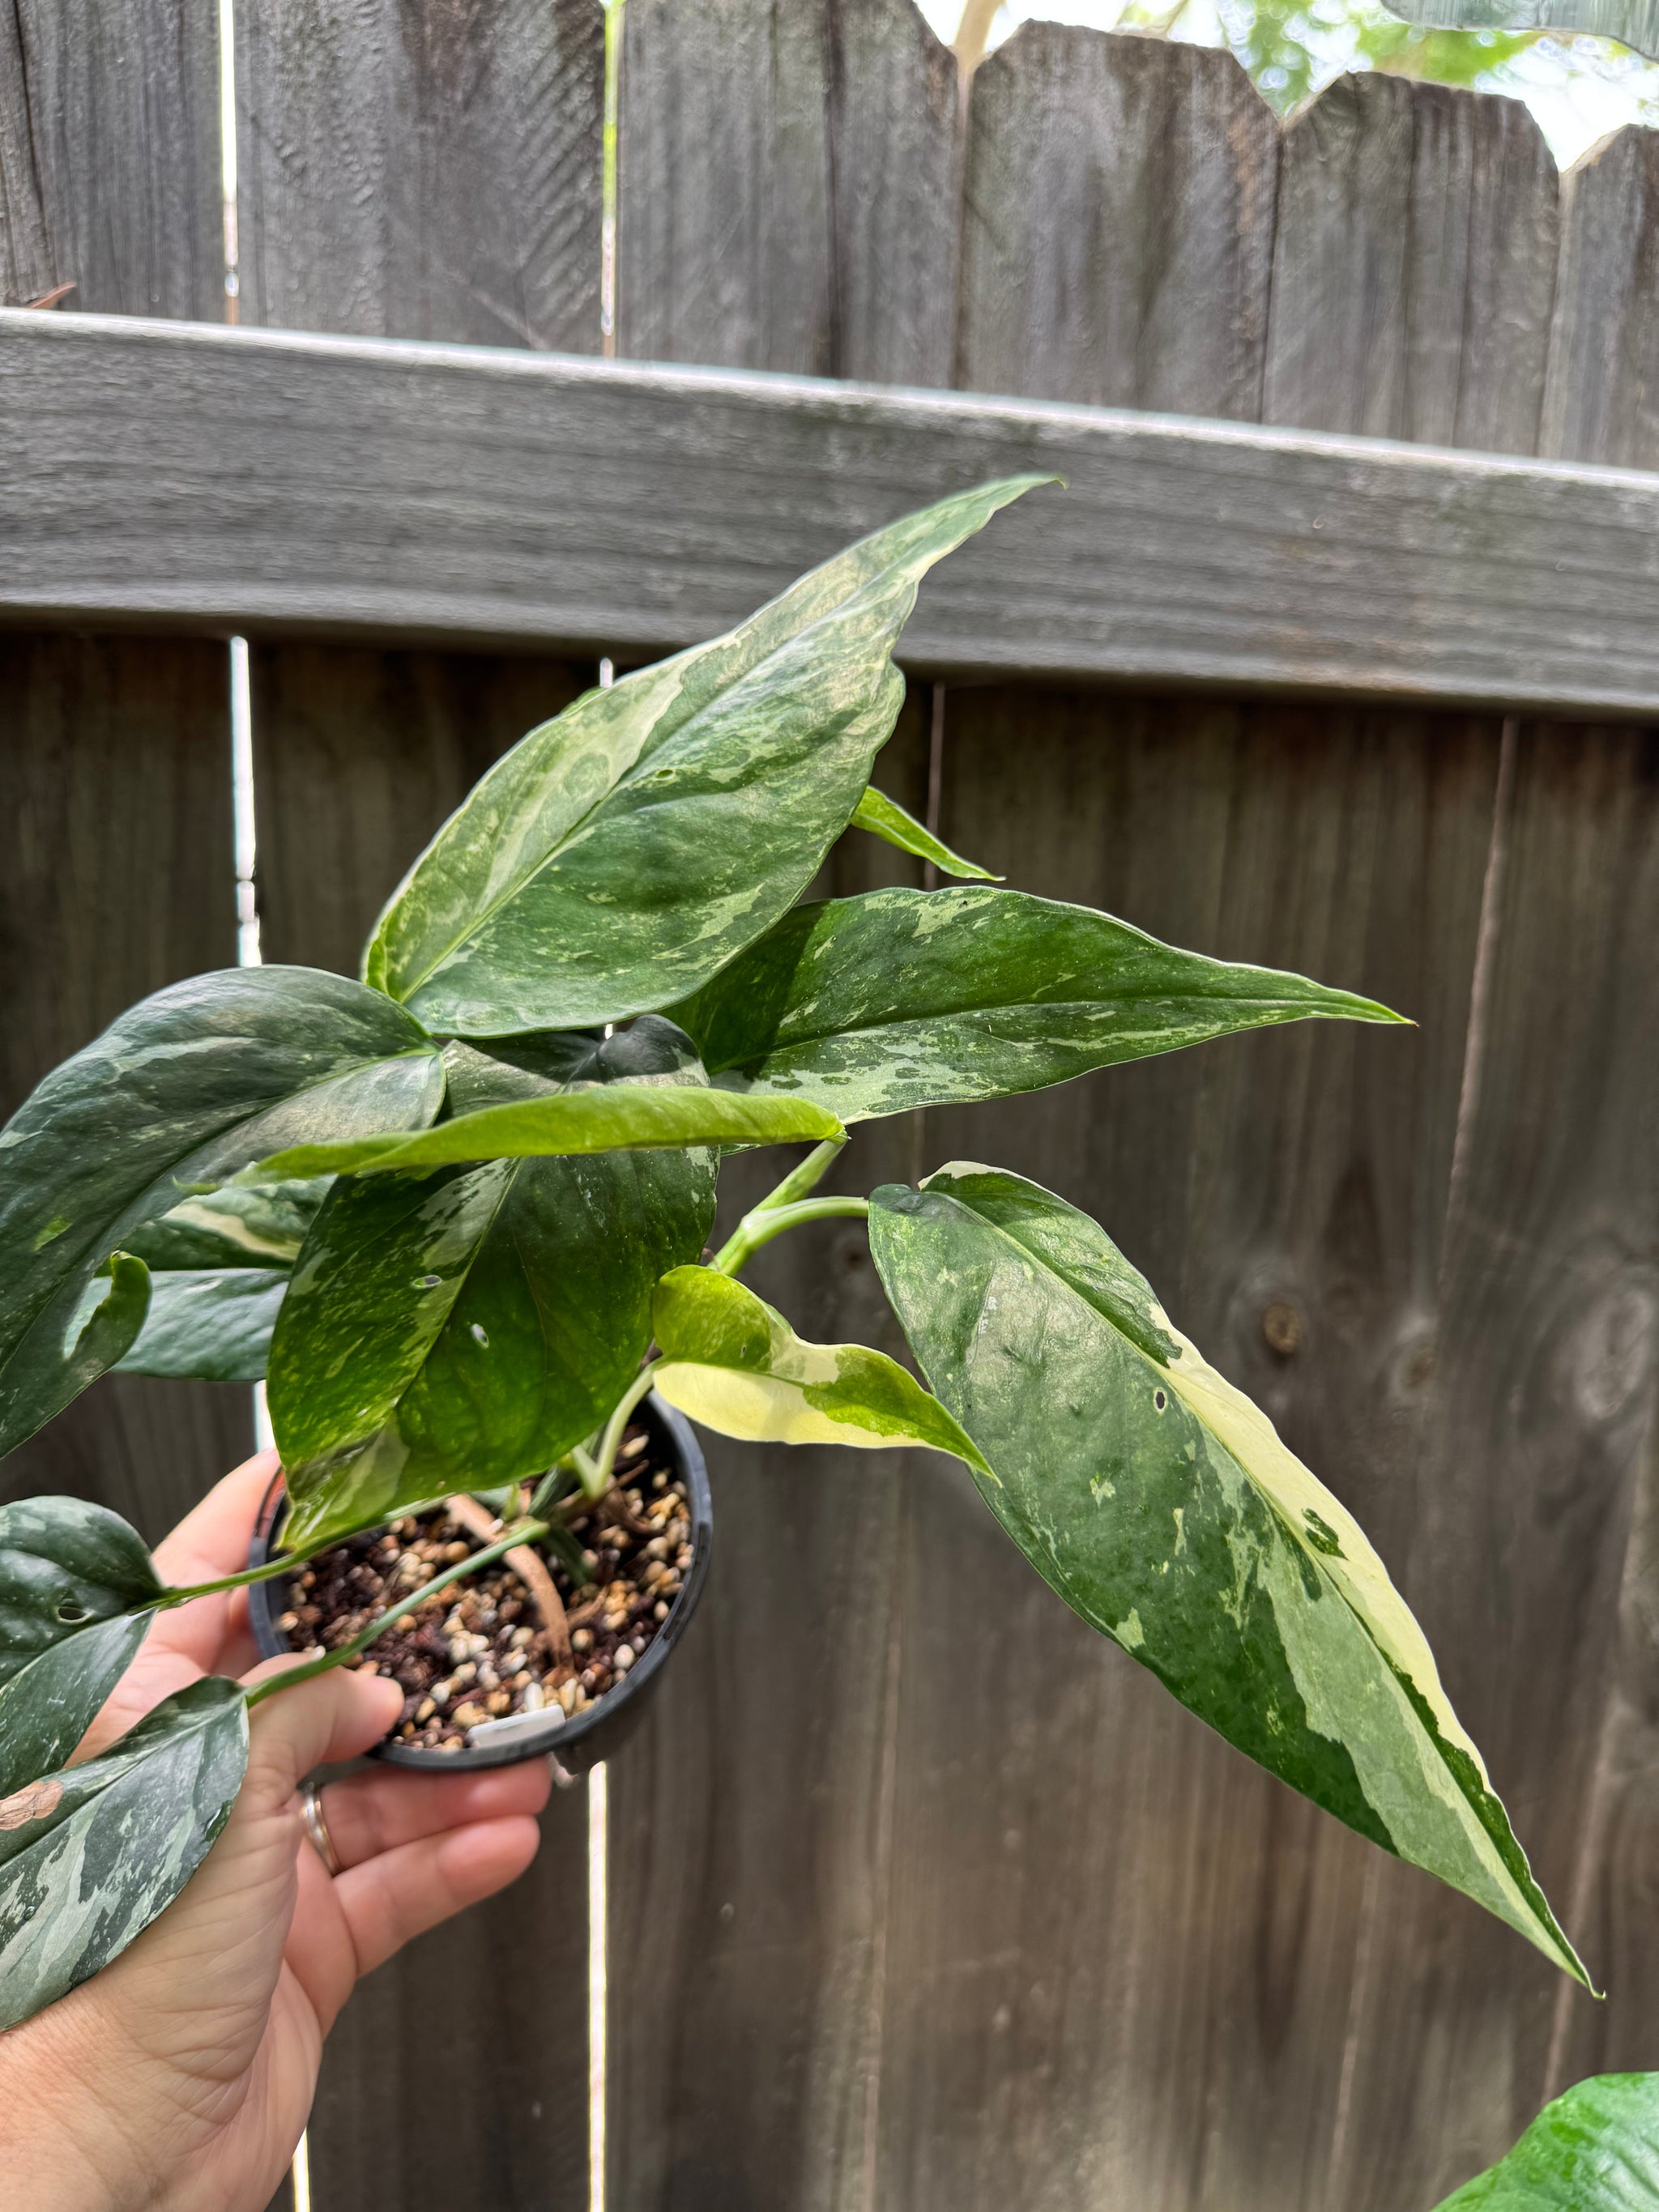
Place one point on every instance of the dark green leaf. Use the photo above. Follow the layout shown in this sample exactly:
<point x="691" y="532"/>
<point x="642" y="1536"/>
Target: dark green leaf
<point x="885" y="818"/>
<point x="626" y="1117"/>
<point x="733" y="1362"/>
<point x="1595" y="2149"/>
<point x="211" y="1323"/>
<point x="178" y="1094"/>
<point x="84" y="1329"/>
<point x="64" y="1564"/>
<point x="622" y="852"/>
<point x="48" y="1704"/>
<point x="900" y="999"/>
<point x="91" y="1854"/>
<point x="466" y="1327"/>
<point x="1633" y="23"/>
<point x="1164" y="1508"/>
<point x="259" y="1226"/>
<point x="218" y="1267"/>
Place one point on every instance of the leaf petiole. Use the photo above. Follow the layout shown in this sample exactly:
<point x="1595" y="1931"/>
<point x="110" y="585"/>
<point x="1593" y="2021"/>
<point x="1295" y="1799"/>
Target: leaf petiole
<point x="768" y="1220"/>
<point x="522" y="1532"/>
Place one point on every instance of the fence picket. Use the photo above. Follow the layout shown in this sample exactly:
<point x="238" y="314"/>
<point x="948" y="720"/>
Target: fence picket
<point x="115" y="879"/>
<point x="422" y="170"/>
<point x="109" y="157"/>
<point x="1601" y="402"/>
<point x="1413" y="267"/>
<point x="1118" y="241"/>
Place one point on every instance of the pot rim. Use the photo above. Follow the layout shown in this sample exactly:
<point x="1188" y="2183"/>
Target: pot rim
<point x="557" y="1734"/>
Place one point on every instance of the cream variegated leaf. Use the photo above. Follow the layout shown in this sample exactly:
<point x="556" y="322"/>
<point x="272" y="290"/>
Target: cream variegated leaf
<point x="733" y="1362"/>
<point x="1164" y="1508"/>
<point x="621" y="854"/>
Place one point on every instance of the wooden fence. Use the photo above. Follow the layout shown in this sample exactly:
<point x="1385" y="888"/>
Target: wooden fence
<point x="922" y="1898"/>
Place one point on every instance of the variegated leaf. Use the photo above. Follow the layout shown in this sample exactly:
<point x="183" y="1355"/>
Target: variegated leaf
<point x="464" y="1326"/>
<point x="1164" y="1508"/>
<point x="622" y="853"/>
<point x="733" y="1362"/>
<point x="89" y="1855"/>
<point x="210" y="1323"/>
<point x="260" y="1226"/>
<point x="885" y="818"/>
<point x="48" y="1704"/>
<point x="64" y="1565"/>
<point x="901" y="998"/>
<point x="625" y="1117"/>
<point x="1594" y="2149"/>
<point x="176" y="1097"/>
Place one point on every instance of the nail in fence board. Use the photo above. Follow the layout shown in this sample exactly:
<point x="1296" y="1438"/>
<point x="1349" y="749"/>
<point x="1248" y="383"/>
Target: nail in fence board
<point x="1602" y="399"/>
<point x="115" y="879"/>
<point x="1118" y="240"/>
<point x="459" y="2071"/>
<point x="749" y="1816"/>
<point x="1413" y="267"/>
<point x="424" y="171"/>
<point x="789" y="181"/>
<point x="109" y="156"/>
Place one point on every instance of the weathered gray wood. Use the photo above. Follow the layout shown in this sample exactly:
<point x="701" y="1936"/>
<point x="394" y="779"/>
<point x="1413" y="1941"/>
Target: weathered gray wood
<point x="1413" y="267"/>
<point x="428" y="492"/>
<point x="1602" y="398"/>
<point x="458" y="2073"/>
<point x="1118" y="241"/>
<point x="422" y="170"/>
<point x="359" y="756"/>
<point x="750" y="1818"/>
<point x="788" y="188"/>
<point x="1121" y="1959"/>
<point x="115" y="879"/>
<point x="109" y="156"/>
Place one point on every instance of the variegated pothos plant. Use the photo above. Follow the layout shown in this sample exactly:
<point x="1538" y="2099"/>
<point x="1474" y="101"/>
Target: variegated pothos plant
<point x="448" y="1209"/>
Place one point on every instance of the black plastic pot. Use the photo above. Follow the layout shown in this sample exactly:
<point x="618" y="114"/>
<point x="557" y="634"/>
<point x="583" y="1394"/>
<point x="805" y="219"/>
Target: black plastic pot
<point x="602" y="1728"/>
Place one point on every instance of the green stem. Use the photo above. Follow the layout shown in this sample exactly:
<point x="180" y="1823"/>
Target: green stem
<point x="807" y="1176"/>
<point x="596" y="1476"/>
<point x="522" y="1532"/>
<point x="282" y="1564"/>
<point x="769" y="1221"/>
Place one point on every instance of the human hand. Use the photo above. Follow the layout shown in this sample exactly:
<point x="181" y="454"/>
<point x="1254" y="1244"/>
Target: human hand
<point x="179" y="2080"/>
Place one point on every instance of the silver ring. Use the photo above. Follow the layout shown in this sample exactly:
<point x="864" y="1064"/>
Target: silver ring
<point x="310" y="1819"/>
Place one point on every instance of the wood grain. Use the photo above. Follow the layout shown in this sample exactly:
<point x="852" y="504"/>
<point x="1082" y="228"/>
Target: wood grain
<point x="359" y="756"/>
<point x="789" y="186"/>
<point x="422" y="170"/>
<point x="460" y="2069"/>
<point x="431" y="491"/>
<point x="109" y="156"/>
<point x="1413" y="267"/>
<point x="1602" y="399"/>
<point x="751" y="1815"/>
<point x="1122" y="1958"/>
<point x="1118" y="244"/>
<point x="115" y="879"/>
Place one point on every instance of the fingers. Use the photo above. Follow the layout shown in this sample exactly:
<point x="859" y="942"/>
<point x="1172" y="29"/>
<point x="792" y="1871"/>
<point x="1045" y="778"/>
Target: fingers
<point x="212" y="1539"/>
<point x="334" y="1716"/>
<point x="404" y="1891"/>
<point x="369" y="1814"/>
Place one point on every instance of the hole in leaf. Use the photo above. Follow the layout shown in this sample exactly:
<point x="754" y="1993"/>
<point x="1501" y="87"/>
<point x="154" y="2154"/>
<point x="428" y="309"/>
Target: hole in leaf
<point x="70" y="1614"/>
<point x="1159" y="1400"/>
<point x="427" y="1282"/>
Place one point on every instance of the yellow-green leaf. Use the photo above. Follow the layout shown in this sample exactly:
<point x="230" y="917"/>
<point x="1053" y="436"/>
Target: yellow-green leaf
<point x="885" y="818"/>
<point x="733" y="1362"/>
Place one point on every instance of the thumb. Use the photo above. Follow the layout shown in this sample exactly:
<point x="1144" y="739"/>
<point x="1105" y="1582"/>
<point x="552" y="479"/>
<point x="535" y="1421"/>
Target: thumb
<point x="332" y="1717"/>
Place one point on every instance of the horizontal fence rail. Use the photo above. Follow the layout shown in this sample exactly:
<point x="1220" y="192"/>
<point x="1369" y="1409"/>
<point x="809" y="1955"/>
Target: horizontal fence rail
<point x="262" y="481"/>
